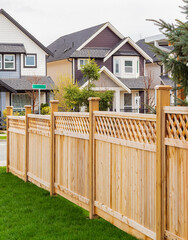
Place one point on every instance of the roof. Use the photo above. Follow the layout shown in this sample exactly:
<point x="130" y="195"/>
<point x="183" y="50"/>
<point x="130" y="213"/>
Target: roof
<point x="146" y="48"/>
<point x="66" y="45"/>
<point x="111" y="76"/>
<point x="167" y="81"/>
<point x="2" y="11"/>
<point x="12" y="48"/>
<point x="133" y="44"/>
<point x="25" y="83"/>
<point x="91" y="52"/>
<point x="135" y="83"/>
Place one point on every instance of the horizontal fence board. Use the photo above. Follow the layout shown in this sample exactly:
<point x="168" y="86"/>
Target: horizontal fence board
<point x="40" y="181"/>
<point x="176" y="110"/>
<point x="14" y="130"/>
<point x="136" y="145"/>
<point x="176" y="143"/>
<point x="171" y="236"/>
<point x="71" y="134"/>
<point x="16" y="172"/>
<point x="126" y="220"/>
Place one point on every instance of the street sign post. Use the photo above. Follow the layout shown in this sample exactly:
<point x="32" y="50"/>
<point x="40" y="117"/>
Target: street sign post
<point x="39" y="87"/>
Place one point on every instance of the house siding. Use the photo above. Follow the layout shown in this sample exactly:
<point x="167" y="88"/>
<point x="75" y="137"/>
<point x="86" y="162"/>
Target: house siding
<point x="100" y="63"/>
<point x="9" y="33"/>
<point x="14" y="73"/>
<point x="104" y="39"/>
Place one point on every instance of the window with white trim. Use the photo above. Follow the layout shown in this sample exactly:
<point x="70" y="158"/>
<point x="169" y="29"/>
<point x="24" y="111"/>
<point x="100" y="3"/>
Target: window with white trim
<point x="82" y="62"/>
<point x="30" y="60"/>
<point x="1" y="61"/>
<point x="128" y="66"/>
<point x="9" y="62"/>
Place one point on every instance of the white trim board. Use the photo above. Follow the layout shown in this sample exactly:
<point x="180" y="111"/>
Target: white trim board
<point x="110" y="26"/>
<point x="111" y="76"/>
<point x="134" y="45"/>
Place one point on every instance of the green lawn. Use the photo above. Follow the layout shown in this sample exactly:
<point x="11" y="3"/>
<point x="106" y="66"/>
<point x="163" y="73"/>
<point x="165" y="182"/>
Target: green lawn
<point x="28" y="212"/>
<point x="3" y="137"/>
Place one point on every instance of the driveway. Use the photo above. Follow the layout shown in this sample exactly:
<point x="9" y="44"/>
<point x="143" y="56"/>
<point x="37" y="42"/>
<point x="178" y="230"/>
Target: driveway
<point x="3" y="152"/>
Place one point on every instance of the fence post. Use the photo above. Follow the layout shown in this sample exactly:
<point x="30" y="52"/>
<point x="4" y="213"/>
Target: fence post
<point x="27" y="111"/>
<point x="54" y="108"/>
<point x="163" y="99"/>
<point x="9" y="113"/>
<point x="93" y="106"/>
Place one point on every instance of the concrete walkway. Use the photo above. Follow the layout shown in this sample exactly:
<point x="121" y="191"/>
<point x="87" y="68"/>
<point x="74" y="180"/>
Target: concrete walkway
<point x="3" y="152"/>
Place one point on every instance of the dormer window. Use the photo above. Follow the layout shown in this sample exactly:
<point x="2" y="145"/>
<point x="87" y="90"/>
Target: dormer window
<point x="128" y="66"/>
<point x="82" y="62"/>
<point x="30" y="60"/>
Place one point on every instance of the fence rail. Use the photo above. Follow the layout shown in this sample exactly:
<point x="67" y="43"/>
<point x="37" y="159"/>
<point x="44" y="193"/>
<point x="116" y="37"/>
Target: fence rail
<point x="116" y="165"/>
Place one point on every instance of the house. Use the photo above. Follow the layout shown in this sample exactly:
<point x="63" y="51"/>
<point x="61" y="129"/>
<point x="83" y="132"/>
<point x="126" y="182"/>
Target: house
<point x="22" y="63"/>
<point x="121" y="60"/>
<point x="156" y="69"/>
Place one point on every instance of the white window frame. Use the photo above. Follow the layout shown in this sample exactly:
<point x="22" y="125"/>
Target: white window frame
<point x="29" y="55"/>
<point x="1" y="61"/>
<point x="132" y="67"/>
<point x="4" y="62"/>
<point x="82" y="59"/>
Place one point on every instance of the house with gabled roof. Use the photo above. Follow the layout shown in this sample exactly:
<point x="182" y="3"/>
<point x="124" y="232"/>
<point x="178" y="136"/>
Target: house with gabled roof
<point x="121" y="60"/>
<point x="22" y="62"/>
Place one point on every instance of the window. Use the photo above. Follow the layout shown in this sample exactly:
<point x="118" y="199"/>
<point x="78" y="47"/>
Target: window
<point x="30" y="60"/>
<point x="82" y="62"/>
<point x="19" y="100"/>
<point x="127" y="100"/>
<point x="9" y="62"/>
<point x="117" y="70"/>
<point x="128" y="66"/>
<point x="1" y="64"/>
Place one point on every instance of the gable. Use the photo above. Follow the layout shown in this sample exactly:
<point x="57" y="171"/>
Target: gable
<point x="128" y="47"/>
<point x="105" y="39"/>
<point x="104" y="81"/>
<point x="11" y="31"/>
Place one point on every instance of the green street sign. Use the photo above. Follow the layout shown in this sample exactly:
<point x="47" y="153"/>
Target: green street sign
<point x="38" y="86"/>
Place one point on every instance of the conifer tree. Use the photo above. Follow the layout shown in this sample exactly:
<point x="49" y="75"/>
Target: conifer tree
<point x="176" y="62"/>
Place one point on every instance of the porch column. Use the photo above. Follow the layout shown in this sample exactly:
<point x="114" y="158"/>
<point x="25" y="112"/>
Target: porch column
<point x="117" y="100"/>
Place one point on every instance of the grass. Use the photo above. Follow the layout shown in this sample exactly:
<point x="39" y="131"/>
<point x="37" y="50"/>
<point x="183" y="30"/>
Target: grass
<point x="28" y="212"/>
<point x="3" y="137"/>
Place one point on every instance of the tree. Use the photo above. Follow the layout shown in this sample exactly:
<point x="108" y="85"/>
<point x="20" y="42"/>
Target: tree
<point x="59" y="91"/>
<point x="176" y="61"/>
<point x="90" y="71"/>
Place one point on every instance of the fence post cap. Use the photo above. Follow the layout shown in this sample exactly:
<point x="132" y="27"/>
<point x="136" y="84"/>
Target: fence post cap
<point x="9" y="107"/>
<point x="94" y="99"/>
<point x="163" y="87"/>
<point x="27" y="106"/>
<point x="54" y="101"/>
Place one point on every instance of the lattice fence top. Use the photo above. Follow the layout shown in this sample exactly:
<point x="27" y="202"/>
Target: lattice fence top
<point x="72" y="122"/>
<point x="132" y="127"/>
<point x="39" y="125"/>
<point x="17" y="122"/>
<point x="177" y="126"/>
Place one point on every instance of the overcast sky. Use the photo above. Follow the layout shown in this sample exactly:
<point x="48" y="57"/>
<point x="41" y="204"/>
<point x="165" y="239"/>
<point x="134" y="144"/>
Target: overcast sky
<point x="49" y="19"/>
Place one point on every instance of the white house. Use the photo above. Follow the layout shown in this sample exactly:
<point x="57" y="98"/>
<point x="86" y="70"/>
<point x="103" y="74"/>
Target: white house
<point x="22" y="63"/>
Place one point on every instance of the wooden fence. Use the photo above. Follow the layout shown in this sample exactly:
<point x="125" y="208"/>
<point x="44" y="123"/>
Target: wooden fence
<point x="130" y="169"/>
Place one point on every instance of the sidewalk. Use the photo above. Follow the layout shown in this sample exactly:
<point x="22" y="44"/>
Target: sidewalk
<point x="3" y="153"/>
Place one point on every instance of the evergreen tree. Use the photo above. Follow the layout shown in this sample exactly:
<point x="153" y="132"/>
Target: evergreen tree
<point x="176" y="61"/>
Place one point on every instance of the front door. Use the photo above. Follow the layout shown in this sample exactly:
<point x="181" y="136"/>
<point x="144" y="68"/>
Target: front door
<point x="127" y="102"/>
